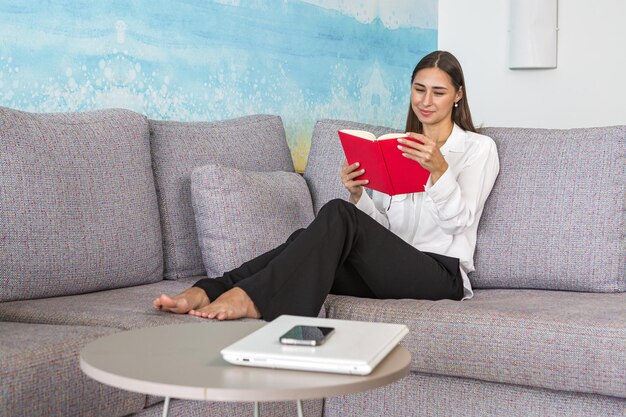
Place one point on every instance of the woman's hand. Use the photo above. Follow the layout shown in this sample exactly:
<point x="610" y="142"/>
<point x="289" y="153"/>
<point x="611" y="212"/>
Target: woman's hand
<point x="348" y="174"/>
<point x="427" y="153"/>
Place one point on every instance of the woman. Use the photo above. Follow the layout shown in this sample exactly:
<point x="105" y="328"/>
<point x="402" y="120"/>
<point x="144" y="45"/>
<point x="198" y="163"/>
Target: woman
<point x="418" y="246"/>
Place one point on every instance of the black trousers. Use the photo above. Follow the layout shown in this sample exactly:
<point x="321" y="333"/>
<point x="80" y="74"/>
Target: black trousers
<point x="343" y="251"/>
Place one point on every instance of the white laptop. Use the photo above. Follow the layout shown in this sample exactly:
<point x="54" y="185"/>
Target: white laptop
<point x="354" y="347"/>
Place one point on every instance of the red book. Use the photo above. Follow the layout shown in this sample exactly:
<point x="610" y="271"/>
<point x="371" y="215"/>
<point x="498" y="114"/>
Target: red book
<point x="386" y="169"/>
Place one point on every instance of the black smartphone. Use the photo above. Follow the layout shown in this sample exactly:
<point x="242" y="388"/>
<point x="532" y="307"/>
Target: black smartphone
<point x="306" y="335"/>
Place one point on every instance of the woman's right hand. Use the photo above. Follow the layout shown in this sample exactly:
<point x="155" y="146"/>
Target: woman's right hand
<point x="348" y="175"/>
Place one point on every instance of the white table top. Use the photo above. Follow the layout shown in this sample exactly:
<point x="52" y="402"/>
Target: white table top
<point x="184" y="361"/>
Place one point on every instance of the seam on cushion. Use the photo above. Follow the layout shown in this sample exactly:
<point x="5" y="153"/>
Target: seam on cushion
<point x="512" y="324"/>
<point x="502" y="322"/>
<point x="241" y="121"/>
<point x="496" y="382"/>
<point x="162" y="215"/>
<point x="107" y="116"/>
<point x="40" y="121"/>
<point x="169" y="271"/>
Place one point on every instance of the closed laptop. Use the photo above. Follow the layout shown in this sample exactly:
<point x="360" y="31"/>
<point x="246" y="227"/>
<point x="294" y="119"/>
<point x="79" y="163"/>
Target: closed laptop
<point x="353" y="347"/>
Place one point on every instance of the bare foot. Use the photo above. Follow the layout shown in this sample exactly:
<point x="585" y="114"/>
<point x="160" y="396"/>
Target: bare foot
<point x="192" y="298"/>
<point x="233" y="304"/>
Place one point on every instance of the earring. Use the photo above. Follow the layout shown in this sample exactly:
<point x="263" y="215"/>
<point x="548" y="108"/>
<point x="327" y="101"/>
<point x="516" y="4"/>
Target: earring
<point x="456" y="104"/>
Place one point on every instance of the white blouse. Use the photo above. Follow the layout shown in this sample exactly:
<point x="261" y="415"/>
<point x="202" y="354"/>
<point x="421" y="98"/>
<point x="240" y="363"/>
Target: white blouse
<point x="444" y="218"/>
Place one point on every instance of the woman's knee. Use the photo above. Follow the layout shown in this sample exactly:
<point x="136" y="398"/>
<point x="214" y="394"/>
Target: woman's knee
<point x="336" y="205"/>
<point x="294" y="235"/>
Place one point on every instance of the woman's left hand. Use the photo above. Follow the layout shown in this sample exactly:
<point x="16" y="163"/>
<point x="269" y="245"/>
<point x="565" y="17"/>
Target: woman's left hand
<point x="427" y="153"/>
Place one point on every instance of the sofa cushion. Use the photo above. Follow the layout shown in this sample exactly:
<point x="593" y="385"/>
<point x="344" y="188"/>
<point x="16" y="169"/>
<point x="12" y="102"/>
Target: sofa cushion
<point x="326" y="158"/>
<point x="241" y="214"/>
<point x="40" y="375"/>
<point x="565" y="341"/>
<point x="542" y="227"/>
<point x="254" y="142"/>
<point x="428" y="395"/>
<point x="555" y="218"/>
<point x="121" y="308"/>
<point x="78" y="205"/>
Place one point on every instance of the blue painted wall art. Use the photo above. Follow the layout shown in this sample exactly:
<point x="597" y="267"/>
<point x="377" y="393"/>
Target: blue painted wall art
<point x="209" y="60"/>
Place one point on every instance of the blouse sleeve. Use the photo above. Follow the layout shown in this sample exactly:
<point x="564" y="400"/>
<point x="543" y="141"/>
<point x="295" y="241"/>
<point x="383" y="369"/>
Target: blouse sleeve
<point x="455" y="200"/>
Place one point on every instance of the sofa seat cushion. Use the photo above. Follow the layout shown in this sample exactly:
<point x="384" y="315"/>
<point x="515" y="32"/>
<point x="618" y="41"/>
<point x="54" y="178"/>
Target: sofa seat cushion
<point x="253" y="142"/>
<point x="565" y="341"/>
<point x="241" y="214"/>
<point x="78" y="205"/>
<point x="40" y="374"/>
<point x="428" y="395"/>
<point x="122" y="308"/>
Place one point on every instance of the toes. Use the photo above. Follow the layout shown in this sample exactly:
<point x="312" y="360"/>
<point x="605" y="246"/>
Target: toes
<point x="201" y="314"/>
<point x="224" y="314"/>
<point x="218" y="311"/>
<point x="166" y="301"/>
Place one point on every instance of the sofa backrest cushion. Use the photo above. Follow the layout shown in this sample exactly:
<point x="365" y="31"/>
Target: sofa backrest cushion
<point x="326" y="158"/>
<point x="232" y="231"/>
<point x="255" y="143"/>
<point x="78" y="206"/>
<point x="555" y="218"/>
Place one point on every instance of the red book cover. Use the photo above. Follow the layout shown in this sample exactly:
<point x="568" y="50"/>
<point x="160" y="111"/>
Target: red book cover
<point x="386" y="169"/>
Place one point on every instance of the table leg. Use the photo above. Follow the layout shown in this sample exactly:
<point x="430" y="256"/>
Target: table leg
<point x="300" y="411"/>
<point x="166" y="406"/>
<point x="256" y="409"/>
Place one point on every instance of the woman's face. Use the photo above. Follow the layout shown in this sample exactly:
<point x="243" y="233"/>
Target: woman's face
<point x="432" y="96"/>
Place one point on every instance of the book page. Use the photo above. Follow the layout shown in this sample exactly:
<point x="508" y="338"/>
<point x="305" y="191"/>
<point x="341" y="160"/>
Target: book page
<point x="360" y="133"/>
<point x="392" y="136"/>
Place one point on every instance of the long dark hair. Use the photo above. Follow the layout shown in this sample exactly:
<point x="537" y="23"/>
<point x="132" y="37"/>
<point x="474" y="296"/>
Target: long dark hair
<point x="446" y="62"/>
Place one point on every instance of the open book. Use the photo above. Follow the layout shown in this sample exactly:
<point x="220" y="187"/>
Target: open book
<point x="386" y="169"/>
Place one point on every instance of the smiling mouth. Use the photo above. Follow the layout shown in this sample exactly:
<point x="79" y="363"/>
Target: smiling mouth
<point x="426" y="112"/>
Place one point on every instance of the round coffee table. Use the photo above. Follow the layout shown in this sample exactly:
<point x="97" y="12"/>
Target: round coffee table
<point x="183" y="361"/>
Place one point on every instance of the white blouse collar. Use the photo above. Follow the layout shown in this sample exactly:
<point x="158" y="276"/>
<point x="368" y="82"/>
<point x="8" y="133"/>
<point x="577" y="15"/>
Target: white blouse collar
<point x="456" y="141"/>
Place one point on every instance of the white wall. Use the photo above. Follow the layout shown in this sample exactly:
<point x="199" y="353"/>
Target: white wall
<point x="588" y="87"/>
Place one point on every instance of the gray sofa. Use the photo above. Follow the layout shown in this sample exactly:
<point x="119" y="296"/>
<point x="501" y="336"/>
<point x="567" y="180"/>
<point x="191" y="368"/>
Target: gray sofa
<point x="98" y="217"/>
